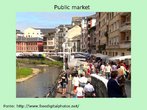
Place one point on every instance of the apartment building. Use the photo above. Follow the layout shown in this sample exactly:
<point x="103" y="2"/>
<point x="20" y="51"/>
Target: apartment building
<point x="50" y="41"/>
<point x="62" y="30"/>
<point x="91" y="37"/>
<point x="113" y="33"/>
<point x="88" y="38"/>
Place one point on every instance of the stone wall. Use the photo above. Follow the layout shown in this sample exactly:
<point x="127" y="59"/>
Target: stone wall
<point x="99" y="84"/>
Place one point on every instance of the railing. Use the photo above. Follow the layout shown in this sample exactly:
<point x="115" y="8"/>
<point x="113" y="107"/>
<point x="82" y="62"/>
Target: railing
<point x="125" y="44"/>
<point x="125" y="26"/>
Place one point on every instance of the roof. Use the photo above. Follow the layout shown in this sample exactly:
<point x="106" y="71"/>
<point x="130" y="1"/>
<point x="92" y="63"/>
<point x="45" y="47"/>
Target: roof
<point x="75" y="31"/>
<point x="19" y="32"/>
<point x="25" y="39"/>
<point x="46" y="30"/>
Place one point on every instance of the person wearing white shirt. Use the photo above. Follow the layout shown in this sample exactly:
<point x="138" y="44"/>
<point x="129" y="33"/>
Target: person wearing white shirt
<point x="82" y="80"/>
<point x="75" y="82"/>
<point x="89" y="90"/>
<point x="108" y="70"/>
<point x="80" y="92"/>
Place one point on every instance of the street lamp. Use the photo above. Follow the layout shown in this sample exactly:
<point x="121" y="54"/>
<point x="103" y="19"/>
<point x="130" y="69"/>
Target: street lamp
<point x="69" y="53"/>
<point x="64" y="46"/>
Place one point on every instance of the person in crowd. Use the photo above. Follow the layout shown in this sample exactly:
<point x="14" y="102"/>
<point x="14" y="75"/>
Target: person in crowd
<point x="121" y="78"/>
<point x="75" y="82"/>
<point x="108" y="70"/>
<point x="79" y="91"/>
<point x="114" y="66"/>
<point x="81" y="69"/>
<point x="89" y="90"/>
<point x="102" y="68"/>
<point x="83" y="80"/>
<point x="64" y="84"/>
<point x="114" y="89"/>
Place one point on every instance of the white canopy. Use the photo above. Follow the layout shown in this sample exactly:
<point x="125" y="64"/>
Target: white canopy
<point x="120" y="57"/>
<point x="101" y="55"/>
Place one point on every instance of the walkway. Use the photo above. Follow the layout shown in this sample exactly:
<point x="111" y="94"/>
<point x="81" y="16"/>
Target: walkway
<point x="69" y="93"/>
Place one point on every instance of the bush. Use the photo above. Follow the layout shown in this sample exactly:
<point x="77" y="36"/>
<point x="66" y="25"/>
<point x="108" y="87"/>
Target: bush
<point x="40" y="61"/>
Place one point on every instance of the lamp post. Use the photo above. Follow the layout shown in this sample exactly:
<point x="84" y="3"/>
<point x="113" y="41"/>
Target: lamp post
<point x="64" y="46"/>
<point x="69" y="53"/>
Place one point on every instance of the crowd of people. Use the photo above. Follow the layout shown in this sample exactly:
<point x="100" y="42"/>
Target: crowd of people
<point x="116" y="72"/>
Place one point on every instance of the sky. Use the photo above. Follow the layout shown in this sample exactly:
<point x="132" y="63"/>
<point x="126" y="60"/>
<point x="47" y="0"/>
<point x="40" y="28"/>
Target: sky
<point x="45" y="19"/>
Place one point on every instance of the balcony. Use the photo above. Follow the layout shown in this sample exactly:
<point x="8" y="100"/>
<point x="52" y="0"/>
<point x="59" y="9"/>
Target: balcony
<point x="125" y="44"/>
<point x="125" y="27"/>
<point x="112" y="46"/>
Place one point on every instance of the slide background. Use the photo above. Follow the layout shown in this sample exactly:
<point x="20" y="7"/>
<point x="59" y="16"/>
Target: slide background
<point x="8" y="11"/>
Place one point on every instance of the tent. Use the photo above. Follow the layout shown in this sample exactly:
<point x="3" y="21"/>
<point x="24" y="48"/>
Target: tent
<point x="101" y="55"/>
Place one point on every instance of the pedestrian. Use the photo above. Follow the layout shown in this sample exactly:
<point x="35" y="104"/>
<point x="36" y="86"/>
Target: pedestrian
<point x="79" y="91"/>
<point x="108" y="70"/>
<point x="83" y="80"/>
<point x="63" y="84"/>
<point x="75" y="82"/>
<point x="114" y="89"/>
<point x="102" y="69"/>
<point x="89" y="90"/>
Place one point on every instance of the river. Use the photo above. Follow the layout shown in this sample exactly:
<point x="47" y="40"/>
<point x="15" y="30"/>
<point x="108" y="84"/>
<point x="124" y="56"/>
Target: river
<point x="39" y="85"/>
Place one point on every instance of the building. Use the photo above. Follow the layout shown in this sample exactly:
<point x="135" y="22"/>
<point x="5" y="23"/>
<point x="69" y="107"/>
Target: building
<point x="76" y="21"/>
<point x="91" y="37"/>
<point x="75" y="44"/>
<point x="61" y="32"/>
<point x="113" y="33"/>
<point x="88" y="37"/>
<point x="19" y="33"/>
<point x="35" y="32"/>
<point x="84" y="33"/>
<point x="50" y="41"/>
<point x="24" y="44"/>
<point x="73" y="36"/>
<point x="101" y="31"/>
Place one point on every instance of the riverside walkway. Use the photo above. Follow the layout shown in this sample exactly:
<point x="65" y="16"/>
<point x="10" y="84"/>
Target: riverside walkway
<point x="97" y="80"/>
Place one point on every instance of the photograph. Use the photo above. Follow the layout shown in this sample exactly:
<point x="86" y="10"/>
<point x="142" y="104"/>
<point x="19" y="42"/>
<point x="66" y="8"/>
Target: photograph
<point x="73" y="54"/>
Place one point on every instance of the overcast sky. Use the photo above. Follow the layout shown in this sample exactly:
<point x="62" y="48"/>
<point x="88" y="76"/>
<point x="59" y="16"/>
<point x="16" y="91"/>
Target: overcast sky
<point x="45" y="19"/>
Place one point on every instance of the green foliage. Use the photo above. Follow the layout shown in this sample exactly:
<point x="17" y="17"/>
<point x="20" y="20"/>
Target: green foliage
<point x="40" y="61"/>
<point x="23" y="72"/>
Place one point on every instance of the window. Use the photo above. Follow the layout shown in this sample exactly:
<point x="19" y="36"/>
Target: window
<point x="122" y="54"/>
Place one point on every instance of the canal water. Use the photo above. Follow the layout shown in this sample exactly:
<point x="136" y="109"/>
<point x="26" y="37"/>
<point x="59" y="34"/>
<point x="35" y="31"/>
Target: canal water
<point x="39" y="85"/>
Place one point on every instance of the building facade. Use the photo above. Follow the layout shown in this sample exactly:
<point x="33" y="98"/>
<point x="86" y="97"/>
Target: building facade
<point x="50" y="41"/>
<point x="35" y="32"/>
<point x="113" y="33"/>
<point x="88" y="37"/>
<point x="24" y="44"/>
<point x="61" y="32"/>
<point x="76" y="21"/>
<point x="19" y="33"/>
<point x="91" y="37"/>
<point x="73" y="36"/>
